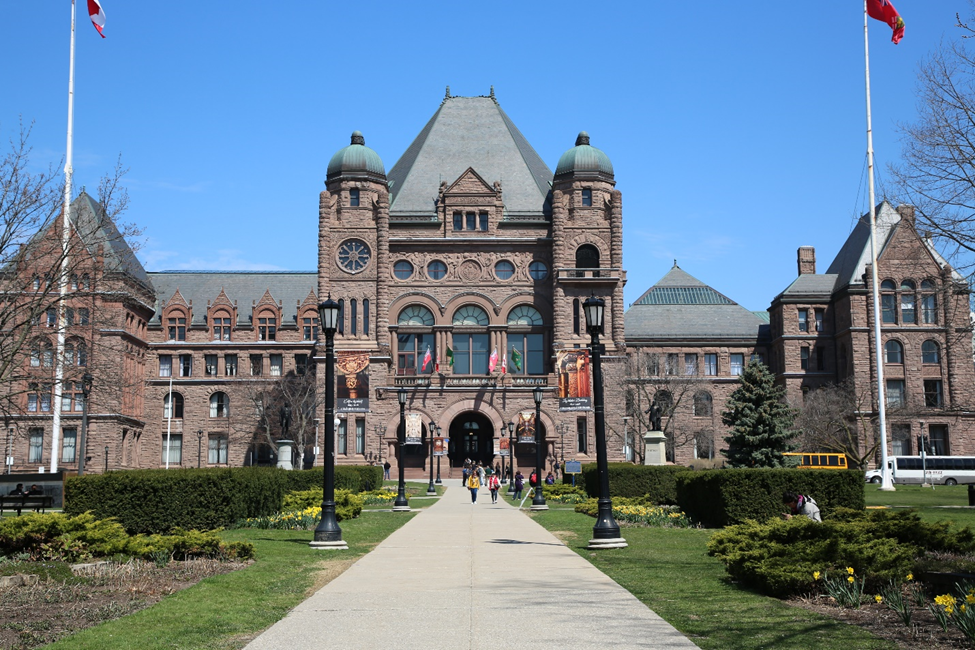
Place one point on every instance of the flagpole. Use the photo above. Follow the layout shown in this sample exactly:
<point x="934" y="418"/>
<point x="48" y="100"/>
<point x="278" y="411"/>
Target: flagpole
<point x="886" y="484"/>
<point x="63" y="276"/>
<point x="169" y="420"/>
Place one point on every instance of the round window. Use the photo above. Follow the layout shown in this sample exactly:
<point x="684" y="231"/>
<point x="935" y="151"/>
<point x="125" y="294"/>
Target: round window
<point x="436" y="270"/>
<point x="353" y="255"/>
<point x="402" y="270"/>
<point x="504" y="270"/>
<point x="538" y="270"/>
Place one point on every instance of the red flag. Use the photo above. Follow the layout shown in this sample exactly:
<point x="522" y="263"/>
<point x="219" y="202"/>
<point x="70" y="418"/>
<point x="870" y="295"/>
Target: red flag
<point x="436" y="365"/>
<point x="884" y="11"/>
<point x="426" y="359"/>
<point x="97" y="15"/>
<point x="493" y="361"/>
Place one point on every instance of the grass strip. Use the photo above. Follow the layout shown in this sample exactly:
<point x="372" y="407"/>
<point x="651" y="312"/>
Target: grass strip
<point x="669" y="570"/>
<point x="229" y="610"/>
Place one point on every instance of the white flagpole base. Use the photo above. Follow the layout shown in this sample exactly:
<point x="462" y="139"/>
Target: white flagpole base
<point x="339" y="545"/>
<point x="599" y="544"/>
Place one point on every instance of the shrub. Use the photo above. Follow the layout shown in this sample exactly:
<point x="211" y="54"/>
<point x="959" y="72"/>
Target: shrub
<point x="780" y="558"/>
<point x="355" y="478"/>
<point x="347" y="504"/>
<point x="638" y="511"/>
<point x="561" y="493"/>
<point x="656" y="482"/>
<point x="718" y="498"/>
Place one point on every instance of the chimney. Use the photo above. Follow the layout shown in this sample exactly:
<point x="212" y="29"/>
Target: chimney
<point x="907" y="213"/>
<point x="806" y="258"/>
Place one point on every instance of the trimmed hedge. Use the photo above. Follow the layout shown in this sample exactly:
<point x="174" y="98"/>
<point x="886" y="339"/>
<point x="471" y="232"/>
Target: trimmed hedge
<point x="655" y="482"/>
<point x="718" y="498"/>
<point x="354" y="478"/>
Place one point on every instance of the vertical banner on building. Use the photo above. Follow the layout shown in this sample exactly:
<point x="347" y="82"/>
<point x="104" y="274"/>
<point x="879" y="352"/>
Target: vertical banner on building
<point x="575" y="392"/>
<point x="504" y="447"/>
<point x="525" y="429"/>
<point x="439" y="446"/>
<point x="352" y="382"/>
<point x="414" y="429"/>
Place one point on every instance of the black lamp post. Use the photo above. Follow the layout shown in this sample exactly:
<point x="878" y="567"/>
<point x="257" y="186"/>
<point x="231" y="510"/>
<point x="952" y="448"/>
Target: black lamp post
<point x="511" y="456"/>
<point x="503" y="474"/>
<point x="106" y="459"/>
<point x="538" y="501"/>
<point x="382" y="434"/>
<point x="86" y="381"/>
<point x="438" y="481"/>
<point x="431" y="489"/>
<point x="328" y="535"/>
<point x="606" y="532"/>
<point x="401" y="504"/>
<point x="199" y="448"/>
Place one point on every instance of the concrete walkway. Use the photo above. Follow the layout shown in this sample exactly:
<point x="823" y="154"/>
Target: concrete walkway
<point x="481" y="577"/>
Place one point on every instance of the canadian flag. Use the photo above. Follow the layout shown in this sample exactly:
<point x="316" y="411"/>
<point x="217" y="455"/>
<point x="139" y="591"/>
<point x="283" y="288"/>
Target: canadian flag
<point x="97" y="15"/>
<point x="504" y="363"/>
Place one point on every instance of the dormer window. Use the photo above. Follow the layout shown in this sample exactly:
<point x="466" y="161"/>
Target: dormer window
<point x="586" y="197"/>
<point x="354" y="198"/>
<point x="177" y="329"/>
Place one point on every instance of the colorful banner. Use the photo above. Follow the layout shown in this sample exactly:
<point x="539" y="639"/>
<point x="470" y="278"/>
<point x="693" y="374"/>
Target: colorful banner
<point x="414" y="429"/>
<point x="575" y="390"/>
<point x="503" y="447"/>
<point x="439" y="446"/>
<point x="352" y="382"/>
<point x="525" y="427"/>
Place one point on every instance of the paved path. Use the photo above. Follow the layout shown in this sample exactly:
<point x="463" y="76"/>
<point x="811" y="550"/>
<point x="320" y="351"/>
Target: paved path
<point x="460" y="576"/>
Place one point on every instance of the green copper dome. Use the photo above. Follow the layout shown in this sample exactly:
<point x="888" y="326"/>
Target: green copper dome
<point x="356" y="160"/>
<point x="584" y="159"/>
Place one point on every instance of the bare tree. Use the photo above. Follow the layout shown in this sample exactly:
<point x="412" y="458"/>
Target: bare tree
<point x="838" y="418"/>
<point x="291" y="398"/>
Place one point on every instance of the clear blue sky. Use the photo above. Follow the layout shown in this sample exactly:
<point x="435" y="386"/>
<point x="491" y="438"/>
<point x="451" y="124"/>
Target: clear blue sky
<point x="736" y="129"/>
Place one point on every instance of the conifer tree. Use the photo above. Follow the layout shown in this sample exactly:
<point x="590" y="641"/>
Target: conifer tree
<point x="760" y="421"/>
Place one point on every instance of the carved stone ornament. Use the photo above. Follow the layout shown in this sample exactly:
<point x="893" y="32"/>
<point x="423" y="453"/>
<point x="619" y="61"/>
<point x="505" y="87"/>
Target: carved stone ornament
<point x="470" y="270"/>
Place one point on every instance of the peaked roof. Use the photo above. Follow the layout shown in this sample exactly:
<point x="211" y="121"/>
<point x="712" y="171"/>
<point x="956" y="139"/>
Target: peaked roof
<point x="681" y="307"/>
<point x="469" y="132"/>
<point x="94" y="228"/>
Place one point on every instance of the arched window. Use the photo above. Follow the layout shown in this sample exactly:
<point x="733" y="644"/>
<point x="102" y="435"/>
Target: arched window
<point x="177" y="411"/>
<point x="176" y="326"/>
<point x="365" y="316"/>
<point x="908" y="302"/>
<point x="341" y="320"/>
<point x="587" y="257"/>
<point x="929" y="303"/>
<point x="267" y="325"/>
<point x="894" y="352"/>
<point x="888" y="302"/>
<point x="526" y="348"/>
<point x="219" y="405"/>
<point x="702" y="404"/>
<point x="930" y="352"/>
<point x="413" y="340"/>
<point x="354" y="316"/>
<point x="471" y="342"/>
<point x="47" y="354"/>
<point x="81" y="354"/>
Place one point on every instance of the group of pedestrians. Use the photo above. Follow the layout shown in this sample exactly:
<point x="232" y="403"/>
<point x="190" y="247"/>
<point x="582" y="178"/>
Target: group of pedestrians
<point x="477" y="476"/>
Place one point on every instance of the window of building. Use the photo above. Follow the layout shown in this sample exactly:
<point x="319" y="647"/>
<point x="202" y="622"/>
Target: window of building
<point x="888" y="302"/>
<point x="69" y="444"/>
<point x="576" y="325"/>
<point x="85" y="281"/>
<point x="177" y="402"/>
<point x="938" y="439"/>
<point x="586" y="197"/>
<point x="933" y="396"/>
<point x="354" y="198"/>
<point x="343" y="438"/>
<point x="803" y="320"/>
<point x="301" y="363"/>
<point x="820" y="358"/>
<point x="177" y="329"/>
<point x="365" y="316"/>
<point x="277" y="362"/>
<point x="257" y="365"/>
<point x="711" y="365"/>
<point x="804" y="357"/>
<point x="186" y="365"/>
<point x="538" y="270"/>
<point x="458" y="221"/>
<point x="360" y="436"/>
<point x="403" y="270"/>
<point x="895" y="393"/>
<point x="69" y="316"/>
<point x="36" y="283"/>
<point x="219" y="405"/>
<point x="51" y="317"/>
<point x="702" y="404"/>
<point x="582" y="436"/>
<point x="482" y="218"/>
<point x="901" y="439"/>
<point x="690" y="364"/>
<point x="930" y="352"/>
<point x="80" y="357"/>
<point x="309" y="329"/>
<point x="470" y="353"/>
<point x="587" y="257"/>
<point x="172" y="448"/>
<point x="819" y="314"/>
<point x="165" y="365"/>
<point x="267" y="328"/>
<point x="894" y="352"/>
<point x="354" y="316"/>
<point x="673" y="363"/>
<point x="527" y="354"/>
<point x="210" y="364"/>
<point x="653" y="364"/>
<point x="436" y="270"/>
<point x="221" y="329"/>
<point x="504" y="270"/>
<point x="230" y="365"/>
<point x="908" y="307"/>
<point x="35" y="451"/>
<point x="738" y="364"/>
<point x="471" y="221"/>
<point x="929" y="303"/>
<point x="216" y="450"/>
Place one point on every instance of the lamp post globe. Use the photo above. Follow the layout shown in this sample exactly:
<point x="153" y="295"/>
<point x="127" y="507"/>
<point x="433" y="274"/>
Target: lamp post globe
<point x="538" y="501"/>
<point x="431" y="488"/>
<point x="606" y="532"/>
<point x="328" y="535"/>
<point x="401" y="504"/>
<point x="511" y="457"/>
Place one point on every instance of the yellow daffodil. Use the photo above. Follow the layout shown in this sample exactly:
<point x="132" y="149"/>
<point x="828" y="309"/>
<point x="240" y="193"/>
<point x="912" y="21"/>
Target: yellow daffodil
<point x="879" y="598"/>
<point x="910" y="576"/>
<point x="815" y="575"/>
<point x="849" y="570"/>
<point x="850" y="579"/>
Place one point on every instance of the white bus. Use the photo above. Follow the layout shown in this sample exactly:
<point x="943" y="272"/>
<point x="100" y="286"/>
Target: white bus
<point x="948" y="470"/>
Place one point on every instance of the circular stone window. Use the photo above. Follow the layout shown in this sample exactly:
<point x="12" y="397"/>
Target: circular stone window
<point x="538" y="270"/>
<point x="504" y="270"/>
<point x="354" y="255"/>
<point x="436" y="270"/>
<point x="402" y="270"/>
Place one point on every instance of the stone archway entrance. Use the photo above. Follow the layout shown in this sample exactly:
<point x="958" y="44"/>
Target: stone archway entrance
<point x="471" y="436"/>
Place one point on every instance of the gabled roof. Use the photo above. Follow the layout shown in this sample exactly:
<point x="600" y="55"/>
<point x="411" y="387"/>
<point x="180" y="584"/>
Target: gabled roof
<point x="850" y="263"/>
<point x="681" y="307"/>
<point x="469" y="132"/>
<point x="94" y="229"/>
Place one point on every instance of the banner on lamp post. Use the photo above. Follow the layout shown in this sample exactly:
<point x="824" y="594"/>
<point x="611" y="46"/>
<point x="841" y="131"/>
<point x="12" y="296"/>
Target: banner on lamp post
<point x="575" y="389"/>
<point x="352" y="382"/>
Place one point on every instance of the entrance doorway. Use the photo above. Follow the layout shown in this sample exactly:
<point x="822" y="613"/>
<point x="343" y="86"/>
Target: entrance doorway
<point x="471" y="437"/>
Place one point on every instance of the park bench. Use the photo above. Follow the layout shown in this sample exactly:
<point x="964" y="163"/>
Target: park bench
<point x="20" y="502"/>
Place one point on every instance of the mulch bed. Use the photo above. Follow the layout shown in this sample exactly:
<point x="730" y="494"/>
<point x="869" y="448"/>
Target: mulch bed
<point x="38" y="614"/>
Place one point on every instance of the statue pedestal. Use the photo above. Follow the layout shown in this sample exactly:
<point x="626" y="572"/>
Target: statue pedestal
<point x="284" y="454"/>
<point x="655" y="452"/>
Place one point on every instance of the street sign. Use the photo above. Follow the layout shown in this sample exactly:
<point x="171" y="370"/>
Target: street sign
<point x="573" y="467"/>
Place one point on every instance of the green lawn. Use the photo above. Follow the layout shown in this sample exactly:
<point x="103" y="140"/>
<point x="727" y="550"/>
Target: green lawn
<point x="228" y="610"/>
<point x="670" y="571"/>
<point x="940" y="502"/>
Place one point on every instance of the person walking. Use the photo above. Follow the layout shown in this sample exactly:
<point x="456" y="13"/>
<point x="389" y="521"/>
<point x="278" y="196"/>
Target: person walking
<point x="519" y="484"/>
<point x="386" y="467"/>
<point x="473" y="483"/>
<point x="494" y="484"/>
<point x="480" y="473"/>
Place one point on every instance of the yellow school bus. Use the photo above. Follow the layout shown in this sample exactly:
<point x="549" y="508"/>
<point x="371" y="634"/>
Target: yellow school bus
<point x="819" y="460"/>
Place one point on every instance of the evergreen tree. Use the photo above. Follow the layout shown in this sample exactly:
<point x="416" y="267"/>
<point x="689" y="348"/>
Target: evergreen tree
<point x="760" y="421"/>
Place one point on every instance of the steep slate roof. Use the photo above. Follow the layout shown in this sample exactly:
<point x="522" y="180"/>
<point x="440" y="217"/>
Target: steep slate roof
<point x="469" y="132"/>
<point x="681" y="307"/>
<point x="246" y="287"/>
